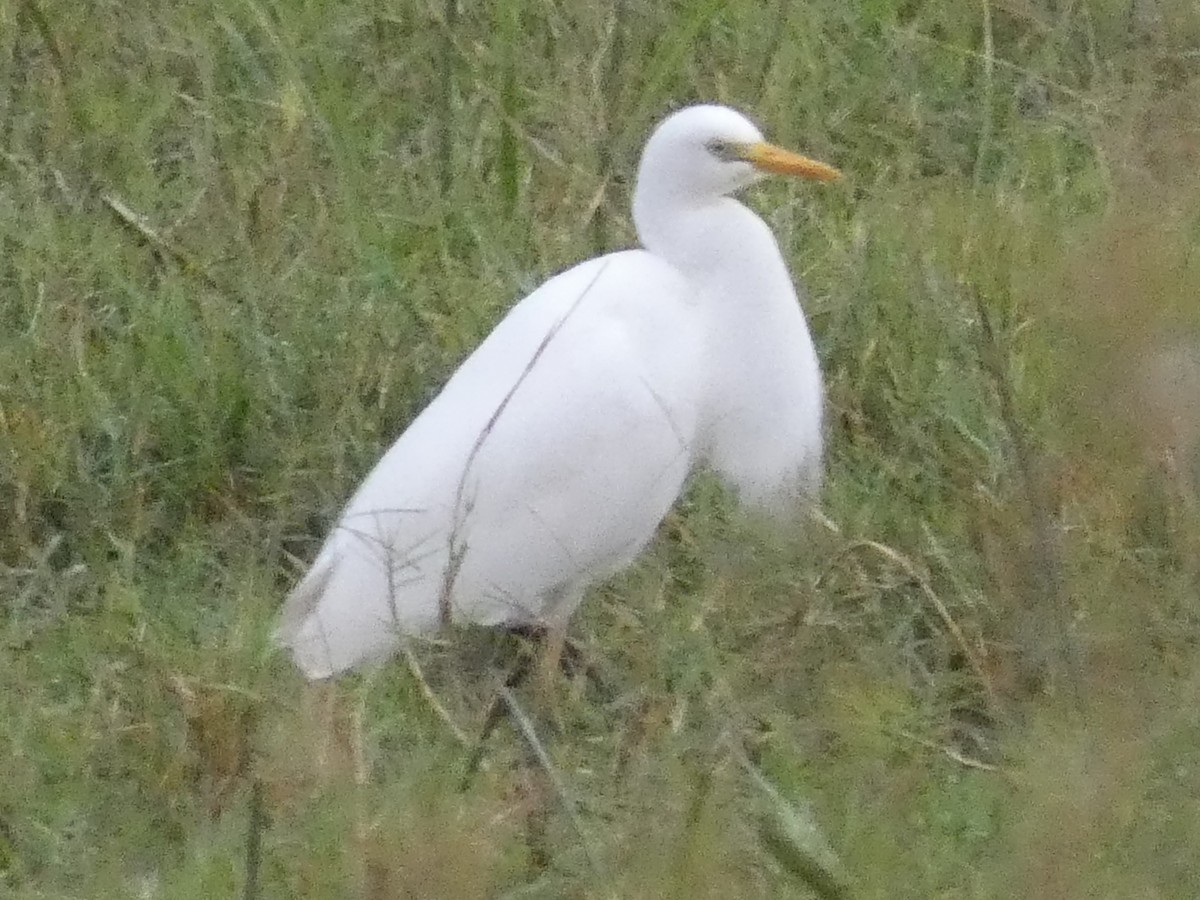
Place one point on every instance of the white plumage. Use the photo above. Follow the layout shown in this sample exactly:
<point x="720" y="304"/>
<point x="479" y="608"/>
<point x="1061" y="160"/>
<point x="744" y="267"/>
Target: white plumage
<point x="552" y="454"/>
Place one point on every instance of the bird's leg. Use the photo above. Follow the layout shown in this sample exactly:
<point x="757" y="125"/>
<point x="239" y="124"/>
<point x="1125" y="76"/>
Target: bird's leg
<point x="551" y="659"/>
<point x="554" y="649"/>
<point x="575" y="661"/>
<point x="495" y="711"/>
<point x="561" y="651"/>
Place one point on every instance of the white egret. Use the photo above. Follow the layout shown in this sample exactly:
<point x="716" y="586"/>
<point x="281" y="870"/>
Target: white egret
<point x="550" y="457"/>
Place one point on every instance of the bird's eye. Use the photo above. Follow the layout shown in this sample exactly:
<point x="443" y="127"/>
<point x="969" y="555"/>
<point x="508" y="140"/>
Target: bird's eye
<point x="723" y="150"/>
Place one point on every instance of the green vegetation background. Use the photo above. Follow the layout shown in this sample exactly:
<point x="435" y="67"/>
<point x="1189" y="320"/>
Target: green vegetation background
<point x="242" y="242"/>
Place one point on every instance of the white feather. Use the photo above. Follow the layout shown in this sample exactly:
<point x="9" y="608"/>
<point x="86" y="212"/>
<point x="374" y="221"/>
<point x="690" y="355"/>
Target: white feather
<point x="551" y="455"/>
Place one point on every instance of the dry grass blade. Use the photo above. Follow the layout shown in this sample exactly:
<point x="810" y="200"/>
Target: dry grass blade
<point x="255" y="827"/>
<point x="570" y="807"/>
<point x="791" y="834"/>
<point x="414" y="667"/>
<point x="951" y="753"/>
<point x="138" y="226"/>
<point x="938" y="606"/>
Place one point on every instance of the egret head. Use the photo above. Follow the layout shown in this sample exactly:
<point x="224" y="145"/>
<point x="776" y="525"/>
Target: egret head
<point x="704" y="152"/>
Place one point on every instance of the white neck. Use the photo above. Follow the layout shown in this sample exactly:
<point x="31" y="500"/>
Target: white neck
<point x="761" y="424"/>
<point x="718" y="244"/>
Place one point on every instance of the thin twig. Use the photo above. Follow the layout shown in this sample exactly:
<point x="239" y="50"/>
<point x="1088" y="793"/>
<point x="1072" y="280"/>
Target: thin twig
<point x="457" y="550"/>
<point x="525" y="373"/>
<point x="951" y="752"/>
<point x="58" y="61"/>
<point x="129" y="219"/>
<point x="137" y="224"/>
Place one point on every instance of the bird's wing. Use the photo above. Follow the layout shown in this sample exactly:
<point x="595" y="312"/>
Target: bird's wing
<point x="545" y="463"/>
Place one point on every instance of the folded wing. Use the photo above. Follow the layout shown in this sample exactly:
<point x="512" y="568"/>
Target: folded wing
<point x="544" y="464"/>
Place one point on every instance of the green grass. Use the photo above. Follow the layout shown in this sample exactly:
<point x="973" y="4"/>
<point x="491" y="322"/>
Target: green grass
<point x="980" y="671"/>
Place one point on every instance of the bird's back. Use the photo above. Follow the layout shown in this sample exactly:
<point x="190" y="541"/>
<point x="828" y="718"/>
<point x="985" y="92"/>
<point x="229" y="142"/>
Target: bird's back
<point x="545" y="463"/>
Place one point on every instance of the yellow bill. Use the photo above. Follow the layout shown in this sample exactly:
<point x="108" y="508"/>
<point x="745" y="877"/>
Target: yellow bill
<point x="769" y="158"/>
